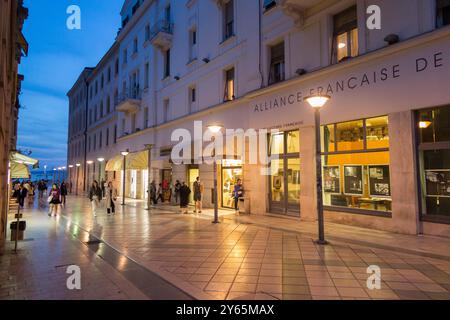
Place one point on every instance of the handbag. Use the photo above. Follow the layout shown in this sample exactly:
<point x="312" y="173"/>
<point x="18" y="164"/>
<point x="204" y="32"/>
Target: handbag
<point x="50" y="199"/>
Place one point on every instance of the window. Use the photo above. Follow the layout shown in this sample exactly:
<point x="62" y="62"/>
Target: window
<point x="116" y="67"/>
<point x="166" y="110"/>
<point x="100" y="140"/>
<point x="95" y="113"/>
<point x="345" y="36"/>
<point x="277" y="63"/>
<point x="228" y="19"/>
<point x="192" y="98"/>
<point x="108" y="105"/>
<point x="96" y="86"/>
<point x="101" y="109"/>
<point x="147" y="76"/>
<point x="167" y="63"/>
<point x="135" y="46"/>
<point x="433" y="126"/>
<point x="107" y="136"/>
<point x="89" y="144"/>
<point x="229" y="85"/>
<point x="109" y="74"/>
<point x="356" y="165"/>
<point x="95" y="142"/>
<point x="147" y="32"/>
<point x="91" y="120"/>
<point x="125" y="56"/>
<point x="269" y="4"/>
<point x="443" y="13"/>
<point x="115" y="134"/>
<point x="193" y="44"/>
<point x="145" y="118"/>
<point x="102" y="82"/>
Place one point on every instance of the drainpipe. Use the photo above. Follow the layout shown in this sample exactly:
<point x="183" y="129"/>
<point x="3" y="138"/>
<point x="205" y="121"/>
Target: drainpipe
<point x="85" y="135"/>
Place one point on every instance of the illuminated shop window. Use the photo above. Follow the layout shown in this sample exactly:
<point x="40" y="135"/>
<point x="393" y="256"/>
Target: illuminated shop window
<point x="356" y="165"/>
<point x="433" y="126"/>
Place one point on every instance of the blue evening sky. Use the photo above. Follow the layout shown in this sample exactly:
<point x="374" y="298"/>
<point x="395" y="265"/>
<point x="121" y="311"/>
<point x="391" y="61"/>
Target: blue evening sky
<point x="56" y="58"/>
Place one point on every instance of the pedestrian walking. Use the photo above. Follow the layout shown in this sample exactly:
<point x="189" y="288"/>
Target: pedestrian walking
<point x="198" y="193"/>
<point x="184" y="193"/>
<point x="54" y="201"/>
<point x="63" y="189"/>
<point x="153" y="192"/>
<point x="95" y="195"/>
<point x="238" y="193"/>
<point x="176" y="193"/>
<point x="160" y="194"/>
<point x="110" y="197"/>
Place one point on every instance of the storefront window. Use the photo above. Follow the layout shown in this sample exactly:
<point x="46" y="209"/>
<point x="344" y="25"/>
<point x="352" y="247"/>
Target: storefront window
<point x="350" y="135"/>
<point x="358" y="175"/>
<point x="433" y="127"/>
<point x="293" y="142"/>
<point x="277" y="143"/>
<point x="329" y="140"/>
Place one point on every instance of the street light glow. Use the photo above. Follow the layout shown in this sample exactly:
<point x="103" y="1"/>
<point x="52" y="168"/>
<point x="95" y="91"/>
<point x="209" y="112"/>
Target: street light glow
<point x="424" y="124"/>
<point x="71" y="166"/>
<point x="78" y="165"/>
<point x="215" y="128"/>
<point x="101" y="159"/>
<point x="89" y="162"/>
<point x="125" y="153"/>
<point x="317" y="101"/>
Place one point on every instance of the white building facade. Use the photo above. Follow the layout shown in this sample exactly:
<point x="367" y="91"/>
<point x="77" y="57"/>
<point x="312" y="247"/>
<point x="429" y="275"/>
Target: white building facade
<point x="249" y="65"/>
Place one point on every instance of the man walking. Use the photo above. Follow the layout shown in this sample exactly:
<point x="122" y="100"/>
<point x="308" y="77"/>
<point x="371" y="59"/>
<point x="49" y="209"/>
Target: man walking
<point x="198" y="193"/>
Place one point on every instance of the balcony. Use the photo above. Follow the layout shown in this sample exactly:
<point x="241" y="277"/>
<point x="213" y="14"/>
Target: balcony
<point x="299" y="10"/>
<point x="161" y="34"/>
<point x="129" y="101"/>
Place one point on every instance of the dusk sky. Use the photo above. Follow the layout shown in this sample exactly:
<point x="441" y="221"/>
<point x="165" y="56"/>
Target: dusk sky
<point x="56" y="58"/>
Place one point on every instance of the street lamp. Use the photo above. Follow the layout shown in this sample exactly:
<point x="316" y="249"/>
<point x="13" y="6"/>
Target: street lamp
<point x="149" y="170"/>
<point x="78" y="165"/>
<point x="124" y="154"/>
<point x="100" y="160"/>
<point x="215" y="128"/>
<point x="317" y="102"/>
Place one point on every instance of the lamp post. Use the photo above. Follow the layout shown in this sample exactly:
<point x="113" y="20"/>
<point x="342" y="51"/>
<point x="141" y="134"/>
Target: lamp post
<point x="89" y="163"/>
<point x="149" y="170"/>
<point x="215" y="129"/>
<point x="124" y="154"/>
<point x="78" y="165"/>
<point x="100" y="161"/>
<point x="70" y="177"/>
<point x="317" y="102"/>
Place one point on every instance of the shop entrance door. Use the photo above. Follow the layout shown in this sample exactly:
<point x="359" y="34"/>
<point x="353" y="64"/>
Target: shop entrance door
<point x="231" y="173"/>
<point x="193" y="173"/>
<point x="285" y="174"/>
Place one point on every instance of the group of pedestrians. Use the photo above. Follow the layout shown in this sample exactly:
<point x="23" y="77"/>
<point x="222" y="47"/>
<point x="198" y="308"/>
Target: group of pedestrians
<point x="57" y="198"/>
<point x="107" y="192"/>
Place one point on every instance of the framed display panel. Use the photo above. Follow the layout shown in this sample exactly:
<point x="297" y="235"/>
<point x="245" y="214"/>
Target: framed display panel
<point x="379" y="181"/>
<point x="332" y="179"/>
<point x="438" y="183"/>
<point x="353" y="180"/>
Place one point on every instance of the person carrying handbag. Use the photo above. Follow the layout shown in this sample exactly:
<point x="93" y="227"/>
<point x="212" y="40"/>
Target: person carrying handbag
<point x="95" y="195"/>
<point x="110" y="197"/>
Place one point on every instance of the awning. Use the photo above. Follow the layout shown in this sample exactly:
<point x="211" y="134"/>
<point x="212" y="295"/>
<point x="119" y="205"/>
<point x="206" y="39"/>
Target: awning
<point x="23" y="43"/>
<point x="19" y="171"/>
<point x="134" y="161"/>
<point x="18" y="158"/>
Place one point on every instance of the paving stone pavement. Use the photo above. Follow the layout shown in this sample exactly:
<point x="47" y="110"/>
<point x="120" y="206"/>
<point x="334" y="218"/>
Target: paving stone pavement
<point x="252" y="257"/>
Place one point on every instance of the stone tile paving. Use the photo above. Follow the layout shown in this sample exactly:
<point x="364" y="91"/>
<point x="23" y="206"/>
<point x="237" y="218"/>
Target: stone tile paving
<point x="260" y="257"/>
<point x="237" y="260"/>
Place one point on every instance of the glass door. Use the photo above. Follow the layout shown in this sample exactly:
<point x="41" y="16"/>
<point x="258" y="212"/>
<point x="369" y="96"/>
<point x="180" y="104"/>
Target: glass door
<point x="193" y="173"/>
<point x="230" y="176"/>
<point x="285" y="174"/>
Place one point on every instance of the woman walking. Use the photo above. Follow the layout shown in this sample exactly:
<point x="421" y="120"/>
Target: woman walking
<point x="110" y="196"/>
<point x="54" y="201"/>
<point x="95" y="195"/>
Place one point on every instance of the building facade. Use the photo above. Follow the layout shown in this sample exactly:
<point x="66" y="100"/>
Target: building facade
<point x="13" y="47"/>
<point x="250" y="64"/>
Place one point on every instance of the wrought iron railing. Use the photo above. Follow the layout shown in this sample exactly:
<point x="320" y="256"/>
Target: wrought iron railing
<point x="161" y="26"/>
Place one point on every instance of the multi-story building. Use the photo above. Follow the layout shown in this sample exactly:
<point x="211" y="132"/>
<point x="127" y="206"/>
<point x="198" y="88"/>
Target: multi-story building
<point x="13" y="46"/>
<point x="250" y="65"/>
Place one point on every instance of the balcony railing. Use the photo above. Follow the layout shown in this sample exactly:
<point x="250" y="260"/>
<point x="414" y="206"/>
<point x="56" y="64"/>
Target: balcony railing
<point x="161" y="34"/>
<point x="129" y="100"/>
